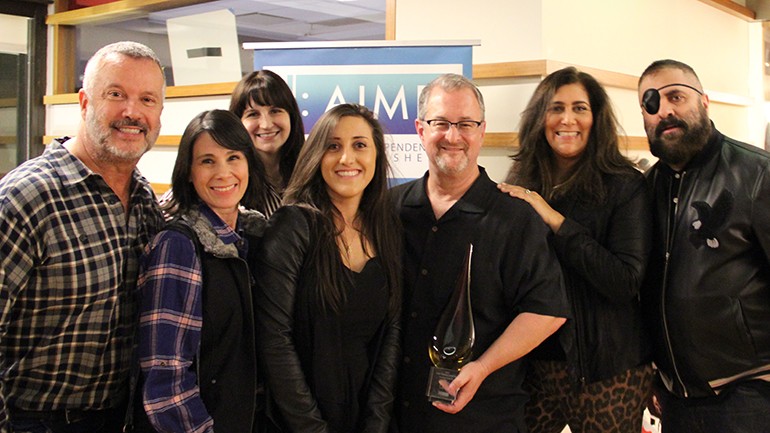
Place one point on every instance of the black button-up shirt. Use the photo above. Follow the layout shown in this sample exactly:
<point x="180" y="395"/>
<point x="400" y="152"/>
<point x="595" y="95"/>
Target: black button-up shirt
<point x="513" y="270"/>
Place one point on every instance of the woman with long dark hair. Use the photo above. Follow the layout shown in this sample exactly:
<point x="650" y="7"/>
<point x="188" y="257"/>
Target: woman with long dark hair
<point x="328" y="295"/>
<point x="594" y="373"/>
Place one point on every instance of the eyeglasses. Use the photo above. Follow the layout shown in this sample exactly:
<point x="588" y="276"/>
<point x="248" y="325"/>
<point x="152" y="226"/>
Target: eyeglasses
<point x="651" y="97"/>
<point x="463" y="126"/>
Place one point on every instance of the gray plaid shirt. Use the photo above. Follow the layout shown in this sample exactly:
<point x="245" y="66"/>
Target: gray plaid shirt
<point x="68" y="269"/>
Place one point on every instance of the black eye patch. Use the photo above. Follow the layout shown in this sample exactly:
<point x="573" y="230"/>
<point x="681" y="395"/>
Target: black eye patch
<point x="651" y="97"/>
<point x="651" y="101"/>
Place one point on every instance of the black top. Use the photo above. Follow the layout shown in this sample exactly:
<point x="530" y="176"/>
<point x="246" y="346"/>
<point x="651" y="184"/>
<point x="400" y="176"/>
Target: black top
<point x="365" y="309"/>
<point x="513" y="270"/>
<point x="603" y="249"/>
<point x="326" y="372"/>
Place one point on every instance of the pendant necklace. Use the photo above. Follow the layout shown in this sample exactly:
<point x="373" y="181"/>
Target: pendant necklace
<point x="347" y="248"/>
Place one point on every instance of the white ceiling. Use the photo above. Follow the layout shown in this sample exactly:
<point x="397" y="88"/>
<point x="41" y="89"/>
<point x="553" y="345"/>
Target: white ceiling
<point x="285" y="20"/>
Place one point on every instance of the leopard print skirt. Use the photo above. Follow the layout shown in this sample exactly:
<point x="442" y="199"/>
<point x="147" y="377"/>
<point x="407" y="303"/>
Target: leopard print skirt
<point x="614" y="405"/>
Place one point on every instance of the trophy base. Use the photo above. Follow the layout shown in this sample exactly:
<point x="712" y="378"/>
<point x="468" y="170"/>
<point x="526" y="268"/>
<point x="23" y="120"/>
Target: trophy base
<point x="435" y="391"/>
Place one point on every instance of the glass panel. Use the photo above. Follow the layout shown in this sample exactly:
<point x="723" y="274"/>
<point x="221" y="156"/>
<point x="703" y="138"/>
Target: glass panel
<point x="13" y="54"/>
<point x="256" y="21"/>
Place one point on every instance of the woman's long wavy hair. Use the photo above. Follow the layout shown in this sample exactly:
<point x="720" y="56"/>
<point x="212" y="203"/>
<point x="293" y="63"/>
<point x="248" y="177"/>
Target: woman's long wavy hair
<point x="266" y="88"/>
<point x="377" y="216"/>
<point x="534" y="166"/>
<point x="228" y="131"/>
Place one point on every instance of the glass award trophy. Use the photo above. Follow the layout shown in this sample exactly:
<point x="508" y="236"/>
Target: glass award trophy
<point x="452" y="343"/>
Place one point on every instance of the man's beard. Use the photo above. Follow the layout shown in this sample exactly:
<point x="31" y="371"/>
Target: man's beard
<point x="679" y="151"/>
<point x="108" y="151"/>
<point x="448" y="167"/>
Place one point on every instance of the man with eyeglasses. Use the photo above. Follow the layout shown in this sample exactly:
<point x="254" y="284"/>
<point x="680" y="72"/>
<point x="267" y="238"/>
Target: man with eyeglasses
<point x="516" y="287"/>
<point x="707" y="291"/>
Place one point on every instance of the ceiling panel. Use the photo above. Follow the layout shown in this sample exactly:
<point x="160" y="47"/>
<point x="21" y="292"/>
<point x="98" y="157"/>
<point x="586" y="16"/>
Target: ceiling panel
<point x="292" y="20"/>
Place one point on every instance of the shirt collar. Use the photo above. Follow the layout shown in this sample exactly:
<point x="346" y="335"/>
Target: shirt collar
<point x="712" y="147"/>
<point x="72" y="171"/>
<point x="224" y="232"/>
<point x="418" y="196"/>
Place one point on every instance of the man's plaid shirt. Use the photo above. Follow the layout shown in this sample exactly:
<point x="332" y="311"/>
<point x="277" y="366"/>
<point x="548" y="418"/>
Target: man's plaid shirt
<point x="68" y="269"/>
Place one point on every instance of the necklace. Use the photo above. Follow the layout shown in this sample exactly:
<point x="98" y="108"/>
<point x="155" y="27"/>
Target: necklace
<point x="346" y="246"/>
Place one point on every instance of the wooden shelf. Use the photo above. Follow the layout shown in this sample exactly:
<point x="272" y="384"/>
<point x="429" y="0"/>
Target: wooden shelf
<point x="162" y="141"/>
<point x="116" y="11"/>
<point x="390" y="20"/>
<point x="214" y="89"/>
<point x="160" y="188"/>
<point x="733" y="8"/>
<point x="530" y="68"/>
<point x="501" y="139"/>
<point x="9" y="102"/>
<point x="638" y="143"/>
<point x="541" y="68"/>
<point x="168" y="141"/>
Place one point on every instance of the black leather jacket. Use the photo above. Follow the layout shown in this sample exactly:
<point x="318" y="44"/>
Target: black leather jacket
<point x="299" y="344"/>
<point x="707" y="294"/>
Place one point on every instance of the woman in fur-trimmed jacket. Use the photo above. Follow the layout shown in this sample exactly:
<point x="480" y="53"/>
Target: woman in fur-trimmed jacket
<point x="197" y="339"/>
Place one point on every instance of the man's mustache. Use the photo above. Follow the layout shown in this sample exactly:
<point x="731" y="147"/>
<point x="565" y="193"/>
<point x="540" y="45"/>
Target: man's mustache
<point x="130" y="122"/>
<point x="670" y="122"/>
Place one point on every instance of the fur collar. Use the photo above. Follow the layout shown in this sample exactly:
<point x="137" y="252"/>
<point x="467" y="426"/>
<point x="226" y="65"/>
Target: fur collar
<point x="251" y="222"/>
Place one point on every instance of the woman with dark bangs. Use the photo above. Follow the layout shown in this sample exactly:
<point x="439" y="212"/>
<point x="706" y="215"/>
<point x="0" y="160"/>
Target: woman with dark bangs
<point x="269" y="111"/>
<point x="270" y="114"/>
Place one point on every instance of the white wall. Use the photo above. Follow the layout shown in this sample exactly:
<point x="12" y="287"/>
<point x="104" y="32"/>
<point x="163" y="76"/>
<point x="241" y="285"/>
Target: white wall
<point x="617" y="36"/>
<point x="724" y="50"/>
<point x="13" y="34"/>
<point x="509" y="30"/>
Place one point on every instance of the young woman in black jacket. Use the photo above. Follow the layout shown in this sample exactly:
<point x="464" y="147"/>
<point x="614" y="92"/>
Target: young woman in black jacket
<point x="328" y="284"/>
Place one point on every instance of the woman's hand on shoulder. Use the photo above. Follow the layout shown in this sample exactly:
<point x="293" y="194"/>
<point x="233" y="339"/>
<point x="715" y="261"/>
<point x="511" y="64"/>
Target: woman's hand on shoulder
<point x="549" y="215"/>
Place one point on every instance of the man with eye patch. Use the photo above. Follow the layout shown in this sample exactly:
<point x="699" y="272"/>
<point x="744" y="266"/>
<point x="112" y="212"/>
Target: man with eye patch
<point x="706" y="295"/>
<point x="73" y="223"/>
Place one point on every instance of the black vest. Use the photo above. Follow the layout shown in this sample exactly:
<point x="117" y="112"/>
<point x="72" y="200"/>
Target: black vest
<point x="227" y="370"/>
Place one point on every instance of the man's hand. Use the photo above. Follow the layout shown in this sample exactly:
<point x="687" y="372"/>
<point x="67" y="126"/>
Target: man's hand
<point x="522" y="335"/>
<point x="464" y="387"/>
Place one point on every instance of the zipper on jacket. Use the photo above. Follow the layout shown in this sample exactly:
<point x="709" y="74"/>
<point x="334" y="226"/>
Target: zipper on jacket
<point x="252" y="281"/>
<point x="580" y="370"/>
<point x="579" y="342"/>
<point x="670" y="219"/>
<point x="581" y="367"/>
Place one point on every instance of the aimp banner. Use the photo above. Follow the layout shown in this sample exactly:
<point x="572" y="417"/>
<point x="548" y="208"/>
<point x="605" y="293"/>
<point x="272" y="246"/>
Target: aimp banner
<point x="385" y="76"/>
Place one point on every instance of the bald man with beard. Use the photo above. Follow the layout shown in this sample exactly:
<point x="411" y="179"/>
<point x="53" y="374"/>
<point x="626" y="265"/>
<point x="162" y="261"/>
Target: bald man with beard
<point x="707" y="292"/>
